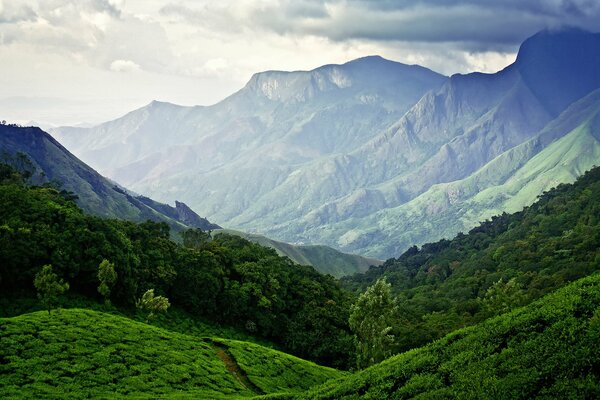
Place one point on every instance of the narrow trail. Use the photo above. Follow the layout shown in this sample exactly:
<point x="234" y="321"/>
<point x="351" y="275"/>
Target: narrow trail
<point x="234" y="369"/>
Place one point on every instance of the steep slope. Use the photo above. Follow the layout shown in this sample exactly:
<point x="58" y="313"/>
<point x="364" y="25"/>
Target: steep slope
<point x="227" y="280"/>
<point x="548" y="349"/>
<point x="59" y="356"/>
<point x="324" y="259"/>
<point x="99" y="196"/>
<point x="511" y="260"/>
<point x="234" y="152"/>
<point x="292" y="154"/>
<point x="96" y="194"/>
<point x="559" y="153"/>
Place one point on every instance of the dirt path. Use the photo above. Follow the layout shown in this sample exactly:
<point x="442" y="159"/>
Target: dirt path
<point x="234" y="369"/>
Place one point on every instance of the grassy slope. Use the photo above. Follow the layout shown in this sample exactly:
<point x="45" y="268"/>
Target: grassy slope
<point x="564" y="150"/>
<point x="274" y="371"/>
<point x="548" y="349"/>
<point x="78" y="353"/>
<point x="325" y="259"/>
<point x="176" y="320"/>
<point x="561" y="162"/>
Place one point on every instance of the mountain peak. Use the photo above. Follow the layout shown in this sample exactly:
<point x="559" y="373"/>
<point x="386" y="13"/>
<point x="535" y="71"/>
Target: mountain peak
<point x="560" y="65"/>
<point x="373" y="59"/>
<point x="371" y="72"/>
<point x="551" y="37"/>
<point x="158" y="103"/>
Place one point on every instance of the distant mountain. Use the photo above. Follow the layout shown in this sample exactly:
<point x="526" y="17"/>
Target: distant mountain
<point x="323" y="258"/>
<point x="96" y="194"/>
<point x="559" y="153"/>
<point x="370" y="156"/>
<point x="99" y="196"/>
<point x="278" y="119"/>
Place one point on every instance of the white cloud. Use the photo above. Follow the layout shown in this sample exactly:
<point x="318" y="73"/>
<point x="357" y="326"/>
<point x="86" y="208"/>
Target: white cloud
<point x="124" y="66"/>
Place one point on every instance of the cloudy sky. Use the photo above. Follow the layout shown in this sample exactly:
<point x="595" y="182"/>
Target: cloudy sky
<point x="72" y="61"/>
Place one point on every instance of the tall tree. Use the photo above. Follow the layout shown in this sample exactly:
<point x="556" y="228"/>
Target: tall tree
<point x="371" y="319"/>
<point x="49" y="287"/>
<point x="152" y="304"/>
<point x="107" y="277"/>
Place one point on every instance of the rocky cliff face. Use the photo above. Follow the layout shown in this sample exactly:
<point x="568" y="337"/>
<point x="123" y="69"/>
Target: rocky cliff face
<point x="190" y="218"/>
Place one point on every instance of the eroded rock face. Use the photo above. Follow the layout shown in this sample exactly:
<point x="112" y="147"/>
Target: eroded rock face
<point x="189" y="217"/>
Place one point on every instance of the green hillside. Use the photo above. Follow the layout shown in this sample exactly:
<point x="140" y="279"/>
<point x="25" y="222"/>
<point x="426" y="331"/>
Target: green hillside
<point x="562" y="151"/>
<point x="561" y="162"/>
<point x="226" y="280"/>
<point x="499" y="266"/>
<point x="548" y="350"/>
<point x="94" y="193"/>
<point x="444" y="286"/>
<point x="59" y="356"/>
<point x="323" y="258"/>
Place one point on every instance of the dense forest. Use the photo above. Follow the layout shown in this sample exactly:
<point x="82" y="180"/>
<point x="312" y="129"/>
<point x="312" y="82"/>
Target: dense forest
<point x="502" y="264"/>
<point x="227" y="279"/>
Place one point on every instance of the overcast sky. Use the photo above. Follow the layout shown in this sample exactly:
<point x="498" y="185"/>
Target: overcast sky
<point x="71" y="61"/>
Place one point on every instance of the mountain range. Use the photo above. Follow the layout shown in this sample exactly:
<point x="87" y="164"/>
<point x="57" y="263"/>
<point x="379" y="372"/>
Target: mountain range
<point x="98" y="195"/>
<point x="371" y="156"/>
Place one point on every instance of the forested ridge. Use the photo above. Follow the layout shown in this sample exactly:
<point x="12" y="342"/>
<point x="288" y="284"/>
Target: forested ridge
<point x="503" y="263"/>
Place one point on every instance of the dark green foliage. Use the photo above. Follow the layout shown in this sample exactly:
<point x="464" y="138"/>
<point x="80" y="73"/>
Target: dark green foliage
<point x="228" y="280"/>
<point x="107" y="277"/>
<point x="548" y="350"/>
<point x="504" y="263"/>
<point x="195" y="238"/>
<point x="371" y="319"/>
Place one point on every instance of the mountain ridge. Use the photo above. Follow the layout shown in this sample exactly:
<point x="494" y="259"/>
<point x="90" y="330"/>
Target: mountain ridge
<point x="321" y="147"/>
<point x="95" y="193"/>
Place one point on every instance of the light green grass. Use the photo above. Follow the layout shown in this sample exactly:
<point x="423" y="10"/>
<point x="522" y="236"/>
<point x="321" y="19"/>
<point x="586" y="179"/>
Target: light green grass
<point x="78" y="353"/>
<point x="274" y="371"/>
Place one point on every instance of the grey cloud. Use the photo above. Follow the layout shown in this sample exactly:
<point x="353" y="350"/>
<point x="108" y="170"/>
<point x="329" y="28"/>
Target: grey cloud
<point x="12" y="13"/>
<point x="93" y="31"/>
<point x="261" y="16"/>
<point x="556" y="8"/>
<point x="471" y="25"/>
<point x="474" y="25"/>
